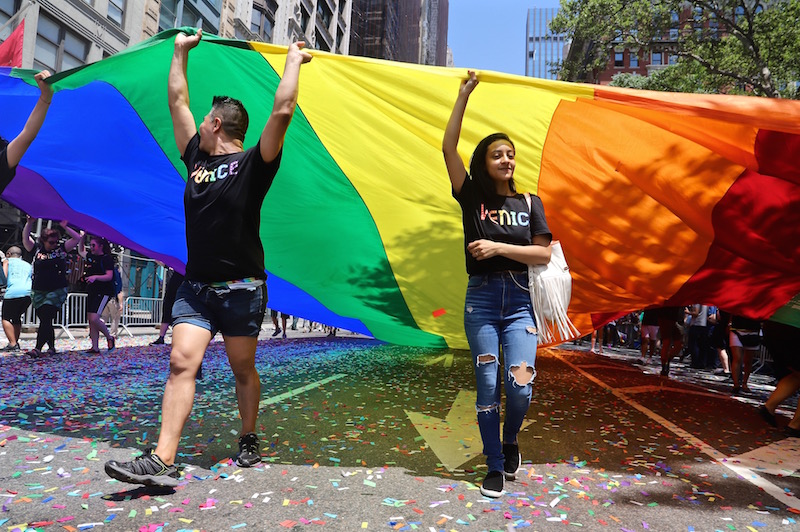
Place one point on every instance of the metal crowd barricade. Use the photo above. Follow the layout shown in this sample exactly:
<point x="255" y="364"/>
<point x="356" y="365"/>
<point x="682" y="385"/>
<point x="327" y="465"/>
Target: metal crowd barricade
<point x="763" y="358"/>
<point x="141" y="311"/>
<point x="72" y="314"/>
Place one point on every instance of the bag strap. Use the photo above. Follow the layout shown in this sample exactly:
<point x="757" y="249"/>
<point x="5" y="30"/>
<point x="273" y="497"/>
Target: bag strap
<point x="528" y="199"/>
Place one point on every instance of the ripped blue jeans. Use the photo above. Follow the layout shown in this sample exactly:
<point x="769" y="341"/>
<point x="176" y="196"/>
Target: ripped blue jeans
<point x="498" y="318"/>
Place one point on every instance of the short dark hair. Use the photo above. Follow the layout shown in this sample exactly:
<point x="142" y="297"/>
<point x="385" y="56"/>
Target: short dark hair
<point x="232" y="114"/>
<point x="47" y="233"/>
<point x="477" y="165"/>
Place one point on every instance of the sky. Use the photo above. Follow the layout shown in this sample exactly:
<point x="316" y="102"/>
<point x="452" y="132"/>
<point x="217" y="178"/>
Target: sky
<point x="490" y="34"/>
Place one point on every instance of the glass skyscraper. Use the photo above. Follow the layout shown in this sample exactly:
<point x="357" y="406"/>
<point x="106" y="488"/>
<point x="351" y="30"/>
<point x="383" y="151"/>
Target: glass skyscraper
<point x="543" y="50"/>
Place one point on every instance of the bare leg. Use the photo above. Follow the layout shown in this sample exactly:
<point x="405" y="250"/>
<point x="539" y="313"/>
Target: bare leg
<point x="748" y="366"/>
<point x="736" y="365"/>
<point x="11" y="332"/>
<point x="97" y="326"/>
<point x="242" y="358"/>
<point x="785" y="389"/>
<point x="189" y="343"/>
<point x="723" y="360"/>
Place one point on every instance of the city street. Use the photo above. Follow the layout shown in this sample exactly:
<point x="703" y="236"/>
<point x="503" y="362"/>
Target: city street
<point x="360" y="435"/>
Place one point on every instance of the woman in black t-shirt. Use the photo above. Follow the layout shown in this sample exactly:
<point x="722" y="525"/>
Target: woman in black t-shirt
<point x="504" y="232"/>
<point x="98" y="273"/>
<point x="49" y="290"/>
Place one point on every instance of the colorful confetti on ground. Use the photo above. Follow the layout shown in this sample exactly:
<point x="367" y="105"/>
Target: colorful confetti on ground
<point x="358" y="435"/>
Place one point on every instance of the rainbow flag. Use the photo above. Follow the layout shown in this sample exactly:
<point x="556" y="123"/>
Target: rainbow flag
<point x="657" y="198"/>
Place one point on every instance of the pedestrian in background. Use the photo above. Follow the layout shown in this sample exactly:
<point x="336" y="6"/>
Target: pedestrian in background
<point x="50" y="286"/>
<point x="18" y="296"/>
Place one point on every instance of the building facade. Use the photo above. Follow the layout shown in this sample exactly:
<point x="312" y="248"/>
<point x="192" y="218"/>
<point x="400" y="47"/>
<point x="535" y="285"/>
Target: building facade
<point x="414" y="31"/>
<point x="63" y="34"/>
<point x="543" y="49"/>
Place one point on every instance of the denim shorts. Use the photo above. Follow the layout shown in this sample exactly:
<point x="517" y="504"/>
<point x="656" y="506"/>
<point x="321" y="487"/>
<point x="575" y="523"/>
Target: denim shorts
<point x="237" y="312"/>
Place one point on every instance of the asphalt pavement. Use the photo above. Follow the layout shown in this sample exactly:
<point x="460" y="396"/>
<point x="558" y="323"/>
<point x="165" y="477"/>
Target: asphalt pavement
<point x="360" y="435"/>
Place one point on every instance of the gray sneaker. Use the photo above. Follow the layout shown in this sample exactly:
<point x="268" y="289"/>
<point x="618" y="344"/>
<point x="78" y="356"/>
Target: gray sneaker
<point x="147" y="470"/>
<point x="249" y="454"/>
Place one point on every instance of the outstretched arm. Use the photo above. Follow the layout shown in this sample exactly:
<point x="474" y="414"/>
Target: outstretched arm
<point x="455" y="166"/>
<point x="178" y="90"/>
<point x="285" y="102"/>
<point x="17" y="147"/>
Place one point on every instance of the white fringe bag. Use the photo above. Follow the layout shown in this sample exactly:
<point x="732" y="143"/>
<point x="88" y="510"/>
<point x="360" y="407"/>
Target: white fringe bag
<point x="550" y="287"/>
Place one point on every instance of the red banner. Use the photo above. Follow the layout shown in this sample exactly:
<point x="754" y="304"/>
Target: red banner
<point x="11" y="48"/>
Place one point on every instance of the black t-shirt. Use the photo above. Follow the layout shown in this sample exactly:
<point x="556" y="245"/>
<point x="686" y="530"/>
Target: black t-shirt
<point x="49" y="268"/>
<point x="6" y="173"/>
<point x="99" y="265"/>
<point x="650" y="317"/>
<point x="222" y="203"/>
<point x="504" y="219"/>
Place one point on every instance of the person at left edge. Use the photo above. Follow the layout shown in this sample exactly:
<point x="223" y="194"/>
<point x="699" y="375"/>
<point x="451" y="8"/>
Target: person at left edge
<point x="225" y="287"/>
<point x="11" y="152"/>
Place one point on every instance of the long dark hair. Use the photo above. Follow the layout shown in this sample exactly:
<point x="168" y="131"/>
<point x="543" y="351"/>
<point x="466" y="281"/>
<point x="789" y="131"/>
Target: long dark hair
<point x="103" y="244"/>
<point x="477" y="165"/>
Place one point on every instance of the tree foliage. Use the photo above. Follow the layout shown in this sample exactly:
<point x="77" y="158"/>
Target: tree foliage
<point x="732" y="46"/>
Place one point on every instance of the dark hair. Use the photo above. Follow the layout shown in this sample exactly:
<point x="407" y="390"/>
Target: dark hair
<point x="103" y="244"/>
<point x="47" y="233"/>
<point x="232" y="114"/>
<point x="477" y="165"/>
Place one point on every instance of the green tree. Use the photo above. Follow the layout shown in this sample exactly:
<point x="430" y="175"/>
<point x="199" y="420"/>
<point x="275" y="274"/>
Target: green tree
<point x="733" y="46"/>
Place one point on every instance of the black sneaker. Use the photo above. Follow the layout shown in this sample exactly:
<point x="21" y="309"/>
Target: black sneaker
<point x="158" y="341"/>
<point x="147" y="469"/>
<point x="493" y="484"/>
<point x="249" y="454"/>
<point x="277" y="332"/>
<point x="513" y="460"/>
<point x="767" y="416"/>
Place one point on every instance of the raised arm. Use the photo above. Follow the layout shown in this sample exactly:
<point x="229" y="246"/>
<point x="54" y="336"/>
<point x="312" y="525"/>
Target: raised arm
<point x="178" y="90"/>
<point x="82" y="244"/>
<point x="17" y="147"/>
<point x="74" y="236"/>
<point x="27" y="240"/>
<point x="285" y="102"/>
<point x="455" y="166"/>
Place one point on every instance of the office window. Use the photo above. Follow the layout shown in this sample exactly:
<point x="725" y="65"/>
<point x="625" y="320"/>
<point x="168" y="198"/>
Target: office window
<point x="673" y="59"/>
<point x="263" y="24"/>
<point x="305" y="17"/>
<point x="116" y="8"/>
<point x="674" y="24"/>
<point x="619" y="59"/>
<point x="657" y="58"/>
<point x="738" y="15"/>
<point x="58" y="48"/>
<point x="697" y="22"/>
<point x="324" y="14"/>
<point x="713" y="26"/>
<point x="634" y="60"/>
<point x="319" y="42"/>
<point x="167" y="16"/>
